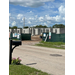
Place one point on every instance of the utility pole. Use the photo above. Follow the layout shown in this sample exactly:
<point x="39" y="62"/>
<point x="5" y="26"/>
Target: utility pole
<point x="24" y="22"/>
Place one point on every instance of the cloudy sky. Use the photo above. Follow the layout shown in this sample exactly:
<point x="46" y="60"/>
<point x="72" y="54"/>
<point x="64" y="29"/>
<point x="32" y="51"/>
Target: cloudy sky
<point x="36" y="12"/>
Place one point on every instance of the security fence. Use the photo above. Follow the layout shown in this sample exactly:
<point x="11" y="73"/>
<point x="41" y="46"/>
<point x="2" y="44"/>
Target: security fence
<point x="54" y="37"/>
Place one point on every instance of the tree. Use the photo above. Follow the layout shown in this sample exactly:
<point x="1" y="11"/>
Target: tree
<point x="40" y="26"/>
<point x="58" y="26"/>
<point x="10" y="27"/>
<point x="14" y="27"/>
<point x="45" y="26"/>
<point x="26" y="27"/>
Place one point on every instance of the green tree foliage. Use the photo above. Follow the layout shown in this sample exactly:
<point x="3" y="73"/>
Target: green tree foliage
<point x="14" y="27"/>
<point x="26" y="27"/>
<point x="40" y="26"/>
<point x="58" y="26"/>
<point x="10" y="27"/>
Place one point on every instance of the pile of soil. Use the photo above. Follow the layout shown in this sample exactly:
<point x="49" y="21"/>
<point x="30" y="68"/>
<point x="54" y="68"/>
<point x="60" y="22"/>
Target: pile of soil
<point x="37" y="38"/>
<point x="34" y="40"/>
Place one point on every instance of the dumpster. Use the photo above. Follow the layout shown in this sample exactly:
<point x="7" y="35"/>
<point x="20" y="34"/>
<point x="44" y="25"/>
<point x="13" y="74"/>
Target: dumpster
<point x="25" y="36"/>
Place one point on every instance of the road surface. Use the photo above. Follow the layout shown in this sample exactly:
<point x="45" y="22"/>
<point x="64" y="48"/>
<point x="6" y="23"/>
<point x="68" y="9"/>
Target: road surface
<point x="49" y="60"/>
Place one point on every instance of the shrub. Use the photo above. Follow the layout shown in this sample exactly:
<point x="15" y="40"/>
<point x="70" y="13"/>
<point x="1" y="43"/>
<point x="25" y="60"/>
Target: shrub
<point x="16" y="61"/>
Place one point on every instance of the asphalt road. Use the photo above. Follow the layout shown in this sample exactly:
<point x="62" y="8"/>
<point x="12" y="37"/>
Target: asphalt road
<point x="49" y="60"/>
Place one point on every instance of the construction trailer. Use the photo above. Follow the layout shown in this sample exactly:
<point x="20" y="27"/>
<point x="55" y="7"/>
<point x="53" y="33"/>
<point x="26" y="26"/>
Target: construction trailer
<point x="38" y="31"/>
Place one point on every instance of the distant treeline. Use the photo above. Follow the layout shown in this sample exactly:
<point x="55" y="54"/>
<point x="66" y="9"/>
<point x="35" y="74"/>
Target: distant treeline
<point x="41" y="26"/>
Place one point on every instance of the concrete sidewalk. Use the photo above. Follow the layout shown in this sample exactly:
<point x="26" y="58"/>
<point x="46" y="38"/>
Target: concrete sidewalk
<point x="49" y="60"/>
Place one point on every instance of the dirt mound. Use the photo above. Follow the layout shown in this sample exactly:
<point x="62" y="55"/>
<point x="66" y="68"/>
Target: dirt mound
<point x="34" y="40"/>
<point x="37" y="38"/>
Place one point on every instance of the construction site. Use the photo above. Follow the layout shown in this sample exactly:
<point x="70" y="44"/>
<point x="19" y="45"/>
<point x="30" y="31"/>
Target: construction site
<point x="34" y="40"/>
<point x="50" y="60"/>
<point x="44" y="57"/>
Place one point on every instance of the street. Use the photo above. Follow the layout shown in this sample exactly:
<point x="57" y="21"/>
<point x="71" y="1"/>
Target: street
<point x="49" y="60"/>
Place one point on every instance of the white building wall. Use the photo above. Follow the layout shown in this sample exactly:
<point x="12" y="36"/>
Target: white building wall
<point x="10" y="30"/>
<point x="25" y="30"/>
<point x="46" y="29"/>
<point x="18" y="30"/>
<point x="32" y="32"/>
<point x="58" y="30"/>
<point x="36" y="31"/>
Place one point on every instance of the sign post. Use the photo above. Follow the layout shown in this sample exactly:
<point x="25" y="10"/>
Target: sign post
<point x="49" y="35"/>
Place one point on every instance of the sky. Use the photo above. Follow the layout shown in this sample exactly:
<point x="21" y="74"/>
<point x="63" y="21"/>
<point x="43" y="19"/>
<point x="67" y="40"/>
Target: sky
<point x="36" y="12"/>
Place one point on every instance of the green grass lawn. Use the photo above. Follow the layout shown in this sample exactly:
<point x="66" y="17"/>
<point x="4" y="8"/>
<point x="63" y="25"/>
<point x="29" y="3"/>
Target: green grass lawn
<point x="14" y="39"/>
<point x="58" y="45"/>
<point x="24" y="70"/>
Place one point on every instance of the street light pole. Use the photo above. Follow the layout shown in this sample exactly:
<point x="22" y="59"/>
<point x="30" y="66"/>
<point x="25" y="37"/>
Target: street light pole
<point x="24" y="22"/>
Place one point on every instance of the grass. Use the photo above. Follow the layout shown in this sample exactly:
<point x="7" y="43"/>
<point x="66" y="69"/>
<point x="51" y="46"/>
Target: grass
<point x="14" y="39"/>
<point x="58" y="45"/>
<point x="24" y="70"/>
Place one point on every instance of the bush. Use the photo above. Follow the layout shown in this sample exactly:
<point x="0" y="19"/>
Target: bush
<point x="16" y="61"/>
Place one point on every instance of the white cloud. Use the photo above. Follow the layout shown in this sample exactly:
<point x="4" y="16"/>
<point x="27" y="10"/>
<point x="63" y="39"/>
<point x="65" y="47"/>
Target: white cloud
<point x="9" y="14"/>
<point x="12" y="18"/>
<point x="31" y="18"/>
<point x="41" y="18"/>
<point x="47" y="17"/>
<point x="36" y="16"/>
<point x="9" y="22"/>
<point x="48" y="22"/>
<point x="34" y="25"/>
<point x="13" y="23"/>
<point x="63" y="18"/>
<point x="45" y="23"/>
<point x="29" y="22"/>
<point x="19" y="16"/>
<point x="58" y="18"/>
<point x="30" y="11"/>
<point x="61" y="10"/>
<point x="31" y="3"/>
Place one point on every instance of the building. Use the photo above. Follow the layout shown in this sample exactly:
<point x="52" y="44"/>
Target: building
<point x="38" y="31"/>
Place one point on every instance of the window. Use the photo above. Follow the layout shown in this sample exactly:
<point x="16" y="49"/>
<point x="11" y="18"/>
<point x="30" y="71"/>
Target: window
<point x="24" y="31"/>
<point x="41" y="31"/>
<point x="18" y="31"/>
<point x="14" y="31"/>
<point x="47" y="30"/>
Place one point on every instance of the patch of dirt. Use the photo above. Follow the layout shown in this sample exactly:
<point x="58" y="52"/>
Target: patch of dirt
<point x="34" y="40"/>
